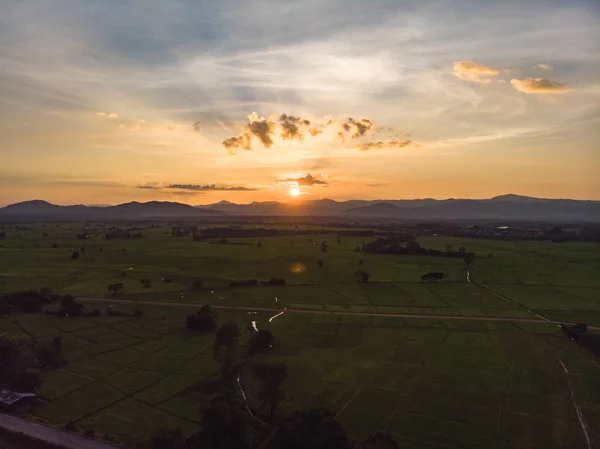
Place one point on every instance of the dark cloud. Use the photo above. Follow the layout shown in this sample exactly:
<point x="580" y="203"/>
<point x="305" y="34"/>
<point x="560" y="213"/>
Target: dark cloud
<point x="291" y="127"/>
<point x="150" y="187"/>
<point x="308" y="180"/>
<point x="232" y="144"/>
<point x="380" y="145"/>
<point x="209" y="187"/>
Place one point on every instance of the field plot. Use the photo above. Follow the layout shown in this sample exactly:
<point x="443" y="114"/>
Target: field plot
<point x="429" y="380"/>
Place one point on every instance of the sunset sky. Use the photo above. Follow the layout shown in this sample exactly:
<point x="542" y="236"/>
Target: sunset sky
<point x="200" y="101"/>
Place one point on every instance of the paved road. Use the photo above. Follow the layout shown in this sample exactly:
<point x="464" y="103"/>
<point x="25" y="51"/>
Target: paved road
<point x="321" y="311"/>
<point x="50" y="434"/>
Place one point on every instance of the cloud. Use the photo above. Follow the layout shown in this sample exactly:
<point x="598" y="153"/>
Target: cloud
<point x="107" y="114"/>
<point x="197" y="126"/>
<point x="289" y="127"/>
<point x="539" y="86"/>
<point x="469" y="70"/>
<point x="380" y="145"/>
<point x="308" y="180"/>
<point x="292" y="127"/>
<point x="209" y="187"/>
<point x="195" y="187"/>
<point x="543" y="66"/>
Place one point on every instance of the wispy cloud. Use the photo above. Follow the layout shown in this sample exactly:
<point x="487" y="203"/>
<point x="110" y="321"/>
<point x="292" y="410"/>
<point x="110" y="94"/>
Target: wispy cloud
<point x="107" y="114"/>
<point x="385" y="145"/>
<point x="469" y="70"/>
<point x="543" y="66"/>
<point x="196" y="187"/>
<point x="539" y="86"/>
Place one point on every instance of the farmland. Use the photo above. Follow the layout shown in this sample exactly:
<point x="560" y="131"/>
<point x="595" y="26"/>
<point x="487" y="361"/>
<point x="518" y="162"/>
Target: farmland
<point x="432" y="381"/>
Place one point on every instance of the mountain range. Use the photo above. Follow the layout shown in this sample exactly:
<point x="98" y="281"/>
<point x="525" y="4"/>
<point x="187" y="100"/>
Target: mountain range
<point x="504" y="207"/>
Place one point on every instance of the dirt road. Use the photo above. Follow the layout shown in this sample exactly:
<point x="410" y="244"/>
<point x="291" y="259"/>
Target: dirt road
<point x="320" y="311"/>
<point x="50" y="434"/>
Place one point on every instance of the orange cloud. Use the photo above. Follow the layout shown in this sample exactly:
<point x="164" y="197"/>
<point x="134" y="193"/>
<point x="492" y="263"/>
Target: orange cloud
<point x="469" y="70"/>
<point x="539" y="86"/>
<point x="107" y="114"/>
<point x="308" y="180"/>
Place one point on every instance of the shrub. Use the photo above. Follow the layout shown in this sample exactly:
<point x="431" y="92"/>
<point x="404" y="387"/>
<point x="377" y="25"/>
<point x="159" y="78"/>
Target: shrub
<point x="137" y="313"/>
<point x="244" y="283"/>
<point x="204" y="320"/>
<point x="362" y="276"/>
<point x="75" y="255"/>
<point x="432" y="277"/>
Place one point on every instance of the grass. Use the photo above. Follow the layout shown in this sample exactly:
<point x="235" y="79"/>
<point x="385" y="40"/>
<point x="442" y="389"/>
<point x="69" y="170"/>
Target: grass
<point x="430" y="382"/>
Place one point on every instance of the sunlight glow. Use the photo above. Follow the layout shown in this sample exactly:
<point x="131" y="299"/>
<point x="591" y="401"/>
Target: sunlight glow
<point x="294" y="191"/>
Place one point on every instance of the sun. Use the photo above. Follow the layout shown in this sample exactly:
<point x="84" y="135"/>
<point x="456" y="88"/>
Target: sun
<point x="294" y="191"/>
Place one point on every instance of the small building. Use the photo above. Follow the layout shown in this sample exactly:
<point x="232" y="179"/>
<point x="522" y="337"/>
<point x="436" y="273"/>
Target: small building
<point x="11" y="401"/>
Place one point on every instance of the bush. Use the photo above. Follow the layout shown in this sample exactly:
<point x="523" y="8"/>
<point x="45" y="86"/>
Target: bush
<point x="75" y="255"/>
<point x="93" y="313"/>
<point x="362" y="276"/>
<point x="432" y="277"/>
<point x="111" y="312"/>
<point x="137" y="313"/>
<point x="244" y="283"/>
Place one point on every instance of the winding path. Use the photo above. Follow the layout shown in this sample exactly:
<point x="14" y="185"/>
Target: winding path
<point x="50" y="434"/>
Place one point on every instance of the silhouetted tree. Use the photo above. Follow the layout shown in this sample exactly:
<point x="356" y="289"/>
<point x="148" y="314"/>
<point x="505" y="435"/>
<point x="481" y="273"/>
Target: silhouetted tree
<point x="223" y="426"/>
<point x="324" y="247"/>
<point x="357" y="249"/>
<point x="261" y="341"/>
<point x="225" y="346"/>
<point x="146" y="283"/>
<point x="259" y="244"/>
<point x="320" y="263"/>
<point x="205" y="319"/>
<point x="270" y="378"/>
<point x="168" y="439"/>
<point x="75" y="255"/>
<point x="311" y="429"/>
<point x="115" y="288"/>
<point x="54" y="245"/>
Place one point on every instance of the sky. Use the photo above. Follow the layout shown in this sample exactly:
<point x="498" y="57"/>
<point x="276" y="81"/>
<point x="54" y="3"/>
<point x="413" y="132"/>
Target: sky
<point x="202" y="101"/>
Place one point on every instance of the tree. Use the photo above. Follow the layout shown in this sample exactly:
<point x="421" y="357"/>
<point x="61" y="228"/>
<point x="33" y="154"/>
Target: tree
<point x="223" y="426"/>
<point x="311" y="429"/>
<point x="379" y="440"/>
<point x="469" y="258"/>
<point x="225" y="346"/>
<point x="324" y="247"/>
<point x="205" y="319"/>
<point x="270" y="378"/>
<point x="320" y="263"/>
<point x="75" y="255"/>
<point x="68" y="307"/>
<point x="261" y="341"/>
<point x="362" y="276"/>
<point x="259" y="244"/>
<point x="146" y="283"/>
<point x="115" y="288"/>
<point x="360" y="261"/>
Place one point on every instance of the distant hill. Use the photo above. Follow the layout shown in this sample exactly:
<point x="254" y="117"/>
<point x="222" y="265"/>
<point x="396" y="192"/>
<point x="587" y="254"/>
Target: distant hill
<point x="152" y="209"/>
<point x="503" y="207"/>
